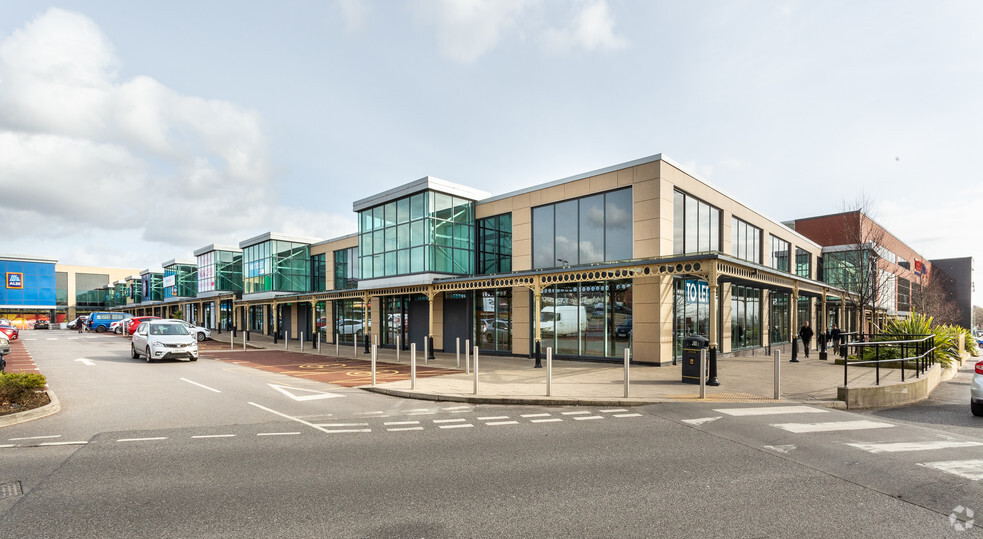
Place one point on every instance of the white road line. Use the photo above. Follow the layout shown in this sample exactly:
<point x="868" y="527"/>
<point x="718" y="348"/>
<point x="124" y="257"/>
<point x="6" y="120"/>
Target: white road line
<point x="460" y="420"/>
<point x="913" y="446"/>
<point x="7" y="445"/>
<point x="627" y="415"/>
<point x="613" y="410"/>
<point x="370" y="413"/>
<point x="64" y="443"/>
<point x="534" y="415"/>
<point x="340" y="431"/>
<point x="457" y="426"/>
<point x="421" y="413"/>
<point x="496" y="423"/>
<point x="200" y="385"/>
<point x="401" y="429"/>
<point x="456" y="408"/>
<point x="277" y="433"/>
<point x="419" y="410"/>
<point x="553" y="420"/>
<point x="214" y="436"/>
<point x="584" y="418"/>
<point x="35" y="438"/>
<point x="583" y="412"/>
<point x="493" y="417"/>
<point x="387" y="423"/>
<point x="301" y="421"/>
<point x="154" y="439"/>
<point x="771" y="410"/>
<point x="781" y="448"/>
<point x="969" y="469"/>
<point x="701" y="420"/>
<point x="803" y="428"/>
<point x="343" y="424"/>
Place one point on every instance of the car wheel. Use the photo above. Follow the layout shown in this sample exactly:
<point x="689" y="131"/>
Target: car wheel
<point x="201" y="336"/>
<point x="100" y="329"/>
<point x="118" y="331"/>
<point x="194" y="359"/>
<point x="977" y="408"/>
<point x="150" y="358"/>
<point x="133" y="352"/>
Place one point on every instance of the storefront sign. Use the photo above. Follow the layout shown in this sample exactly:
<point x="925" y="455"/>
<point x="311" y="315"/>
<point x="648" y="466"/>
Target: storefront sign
<point x="15" y="280"/>
<point x="169" y="281"/>
<point x="697" y="292"/>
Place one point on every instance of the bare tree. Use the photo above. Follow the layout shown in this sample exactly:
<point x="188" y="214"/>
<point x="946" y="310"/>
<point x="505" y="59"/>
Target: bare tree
<point x="933" y="296"/>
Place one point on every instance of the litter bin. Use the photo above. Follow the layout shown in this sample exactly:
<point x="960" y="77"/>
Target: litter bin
<point x="692" y="346"/>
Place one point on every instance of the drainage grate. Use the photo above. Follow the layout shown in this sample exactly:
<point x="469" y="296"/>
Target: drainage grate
<point x="10" y="489"/>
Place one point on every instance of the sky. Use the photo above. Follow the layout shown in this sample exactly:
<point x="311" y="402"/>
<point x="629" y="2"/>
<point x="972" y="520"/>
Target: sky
<point x="135" y="133"/>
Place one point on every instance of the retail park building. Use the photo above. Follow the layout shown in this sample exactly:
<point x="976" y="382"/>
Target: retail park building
<point x="635" y="255"/>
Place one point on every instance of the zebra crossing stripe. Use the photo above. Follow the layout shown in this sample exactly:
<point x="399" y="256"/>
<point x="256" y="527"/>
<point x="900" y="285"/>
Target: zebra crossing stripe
<point x="803" y="428"/>
<point x="969" y="469"/>
<point x="771" y="410"/>
<point x="913" y="446"/>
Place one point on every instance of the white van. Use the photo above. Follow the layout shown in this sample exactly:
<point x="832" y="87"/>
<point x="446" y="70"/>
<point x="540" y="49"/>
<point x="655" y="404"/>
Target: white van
<point x="563" y="319"/>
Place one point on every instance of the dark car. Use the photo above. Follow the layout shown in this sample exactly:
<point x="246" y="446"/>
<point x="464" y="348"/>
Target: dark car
<point x="42" y="324"/>
<point x="623" y="331"/>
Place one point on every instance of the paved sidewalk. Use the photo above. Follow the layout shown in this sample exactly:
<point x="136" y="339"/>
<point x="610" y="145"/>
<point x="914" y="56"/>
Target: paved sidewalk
<point x="512" y="380"/>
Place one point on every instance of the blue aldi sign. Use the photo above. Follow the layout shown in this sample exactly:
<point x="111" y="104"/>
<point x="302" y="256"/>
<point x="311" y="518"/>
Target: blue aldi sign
<point x="15" y="280"/>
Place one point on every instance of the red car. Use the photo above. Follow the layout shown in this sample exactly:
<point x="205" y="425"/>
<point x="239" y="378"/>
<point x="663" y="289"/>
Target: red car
<point x="133" y="323"/>
<point x="10" y="331"/>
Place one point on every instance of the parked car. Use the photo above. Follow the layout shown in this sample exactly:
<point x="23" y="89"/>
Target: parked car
<point x="4" y="344"/>
<point x="976" y="391"/>
<point x="623" y="331"/>
<point x="133" y="323"/>
<point x="100" y="321"/>
<point x="10" y="332"/>
<point x="350" y="327"/>
<point x="42" y="324"/>
<point x="198" y="332"/>
<point x="117" y="326"/>
<point x="163" y="339"/>
<point x="490" y="327"/>
<point x="74" y="324"/>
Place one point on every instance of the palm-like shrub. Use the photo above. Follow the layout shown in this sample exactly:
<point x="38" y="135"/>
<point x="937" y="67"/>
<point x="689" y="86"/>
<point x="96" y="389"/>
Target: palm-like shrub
<point x="946" y="336"/>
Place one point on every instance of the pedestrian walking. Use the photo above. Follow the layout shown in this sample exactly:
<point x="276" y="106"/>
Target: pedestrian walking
<point x="806" y="335"/>
<point x="834" y="336"/>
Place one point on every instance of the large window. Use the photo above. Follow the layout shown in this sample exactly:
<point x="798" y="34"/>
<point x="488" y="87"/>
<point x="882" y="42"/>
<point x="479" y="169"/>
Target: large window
<point x="180" y="281"/>
<point x="780" y="252"/>
<point x="597" y="228"/>
<point x="746" y="241"/>
<point x="426" y="232"/>
<point x="152" y="285"/>
<point x="495" y="244"/>
<point x="844" y="269"/>
<point x="493" y="319"/>
<point x="346" y="269"/>
<point x="745" y="317"/>
<point x="696" y="225"/>
<point x="591" y="319"/>
<point x="276" y="265"/>
<point x="904" y="295"/>
<point x="778" y="317"/>
<point x="803" y="263"/>
<point x="220" y="270"/>
<point x="318" y="273"/>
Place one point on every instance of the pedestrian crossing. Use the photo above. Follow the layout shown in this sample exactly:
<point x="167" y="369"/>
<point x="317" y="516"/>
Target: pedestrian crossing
<point x="841" y="430"/>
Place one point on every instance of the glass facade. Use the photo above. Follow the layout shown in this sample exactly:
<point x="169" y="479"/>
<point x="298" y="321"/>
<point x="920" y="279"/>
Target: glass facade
<point x="780" y="253"/>
<point x="61" y="288"/>
<point x="691" y="311"/>
<point x="904" y="295"/>
<point x="276" y="266"/>
<point x="89" y="291"/>
<point x="803" y="263"/>
<point x="495" y="244"/>
<point x="582" y="319"/>
<point x="319" y="273"/>
<point x="804" y="314"/>
<point x="844" y="269"/>
<point x="745" y="241"/>
<point x="350" y="317"/>
<point x="778" y="317"/>
<point x="695" y="226"/>
<point x="745" y="317"/>
<point x="220" y="270"/>
<point x="597" y="228"/>
<point x="180" y="281"/>
<point x="346" y="269"/>
<point x="493" y="319"/>
<point x="153" y="286"/>
<point x="425" y="232"/>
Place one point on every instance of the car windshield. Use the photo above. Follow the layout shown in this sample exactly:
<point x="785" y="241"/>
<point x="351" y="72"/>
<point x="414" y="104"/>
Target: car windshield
<point x="168" y="329"/>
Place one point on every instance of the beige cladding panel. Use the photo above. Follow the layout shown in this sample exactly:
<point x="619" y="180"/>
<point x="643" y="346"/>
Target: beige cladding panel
<point x="604" y="182"/>
<point x="521" y="320"/>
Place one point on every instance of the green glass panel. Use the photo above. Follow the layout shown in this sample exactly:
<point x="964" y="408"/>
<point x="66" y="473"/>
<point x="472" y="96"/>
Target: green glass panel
<point x="403" y="236"/>
<point x="403" y="262"/>
<point x="418" y="259"/>
<point x="390" y="263"/>
<point x="389" y="215"/>
<point x="418" y="207"/>
<point x="391" y="238"/>
<point x="417" y="233"/>
<point x="403" y="210"/>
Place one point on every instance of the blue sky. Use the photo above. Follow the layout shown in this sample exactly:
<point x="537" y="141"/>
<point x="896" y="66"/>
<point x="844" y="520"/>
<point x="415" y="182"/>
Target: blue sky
<point x="134" y="133"/>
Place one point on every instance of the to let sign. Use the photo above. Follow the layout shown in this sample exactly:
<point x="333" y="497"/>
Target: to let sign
<point x="697" y="292"/>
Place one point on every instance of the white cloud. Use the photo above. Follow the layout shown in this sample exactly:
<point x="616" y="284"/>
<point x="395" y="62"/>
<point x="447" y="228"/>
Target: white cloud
<point x="467" y="29"/>
<point x="591" y="28"/>
<point x="354" y="12"/>
<point x="87" y="154"/>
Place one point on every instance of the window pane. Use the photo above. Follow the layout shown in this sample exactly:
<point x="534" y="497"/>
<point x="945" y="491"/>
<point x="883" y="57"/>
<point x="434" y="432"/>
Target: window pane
<point x="417" y="259"/>
<point x="403" y="236"/>
<point x="591" y="242"/>
<point x="417" y="206"/>
<point x="704" y="220"/>
<point x="618" y="225"/>
<point x="566" y="232"/>
<point x="542" y="242"/>
<point x="678" y="225"/>
<point x="403" y="210"/>
<point x="692" y="225"/>
<point x="390" y="214"/>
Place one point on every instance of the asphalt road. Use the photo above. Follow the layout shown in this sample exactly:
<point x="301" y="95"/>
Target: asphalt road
<point x="213" y="449"/>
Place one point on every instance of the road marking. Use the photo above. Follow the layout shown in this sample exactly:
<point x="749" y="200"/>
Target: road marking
<point x="301" y="421"/>
<point x="277" y="433"/>
<point x="64" y="443"/>
<point x="35" y="438"/>
<point x="771" y="410"/>
<point x="400" y="429"/>
<point x="497" y="423"/>
<point x="613" y="410"/>
<point x="316" y="394"/>
<point x="343" y="424"/>
<point x="200" y="385"/>
<point x="460" y="420"/>
<point x="701" y="420"/>
<point x="401" y="423"/>
<point x="142" y="439"/>
<point x="370" y="413"/>
<point x="341" y="431"/>
<point x="421" y="413"/>
<point x="781" y="448"/>
<point x="85" y="361"/>
<point x="553" y="420"/>
<point x="583" y="412"/>
<point x="582" y="418"/>
<point x="802" y="428"/>
<point x="214" y="436"/>
<point x="457" y="426"/>
<point x="456" y="408"/>
<point x="534" y="415"/>
<point x="627" y="415"/>
<point x="913" y="446"/>
<point x="419" y="410"/>
<point x="969" y="469"/>
<point x="493" y="418"/>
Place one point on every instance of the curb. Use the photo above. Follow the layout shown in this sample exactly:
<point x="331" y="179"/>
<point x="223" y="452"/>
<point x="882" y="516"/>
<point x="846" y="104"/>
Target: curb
<point x="51" y="408"/>
<point x="539" y="401"/>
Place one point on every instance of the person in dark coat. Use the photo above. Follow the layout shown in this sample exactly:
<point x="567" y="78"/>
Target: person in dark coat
<point x="806" y="335"/>
<point x="834" y="337"/>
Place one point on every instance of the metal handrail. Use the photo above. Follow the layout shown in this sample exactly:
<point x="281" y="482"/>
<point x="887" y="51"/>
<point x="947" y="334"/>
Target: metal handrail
<point x="924" y="356"/>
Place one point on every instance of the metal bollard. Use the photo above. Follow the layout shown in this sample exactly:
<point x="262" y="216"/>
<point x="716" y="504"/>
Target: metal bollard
<point x="475" y="370"/>
<point x="286" y="340"/>
<point x="301" y="341"/>
<point x="457" y="350"/>
<point x="397" y="348"/>
<point x="627" y="361"/>
<point x="467" y="356"/>
<point x="413" y="365"/>
<point x="244" y="336"/>
<point x="703" y="371"/>
<point x="549" y="371"/>
<point x="778" y="375"/>
<point x="375" y="349"/>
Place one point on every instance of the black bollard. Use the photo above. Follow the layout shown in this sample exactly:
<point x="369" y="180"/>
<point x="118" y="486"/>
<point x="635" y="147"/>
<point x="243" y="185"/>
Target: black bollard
<point x="430" y="347"/>
<point x="795" y="351"/>
<point x="539" y="357"/>
<point x="365" y="337"/>
<point x="276" y="334"/>
<point x="712" y="377"/>
<point x="822" y="346"/>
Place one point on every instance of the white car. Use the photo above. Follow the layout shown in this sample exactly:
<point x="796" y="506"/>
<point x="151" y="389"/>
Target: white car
<point x="976" y="391"/>
<point x="163" y="339"/>
<point x="4" y="344"/>
<point x="350" y="327"/>
<point x="199" y="332"/>
<point x="117" y="326"/>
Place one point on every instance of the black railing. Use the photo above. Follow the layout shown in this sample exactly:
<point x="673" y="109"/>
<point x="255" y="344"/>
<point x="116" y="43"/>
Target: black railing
<point x="920" y="350"/>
